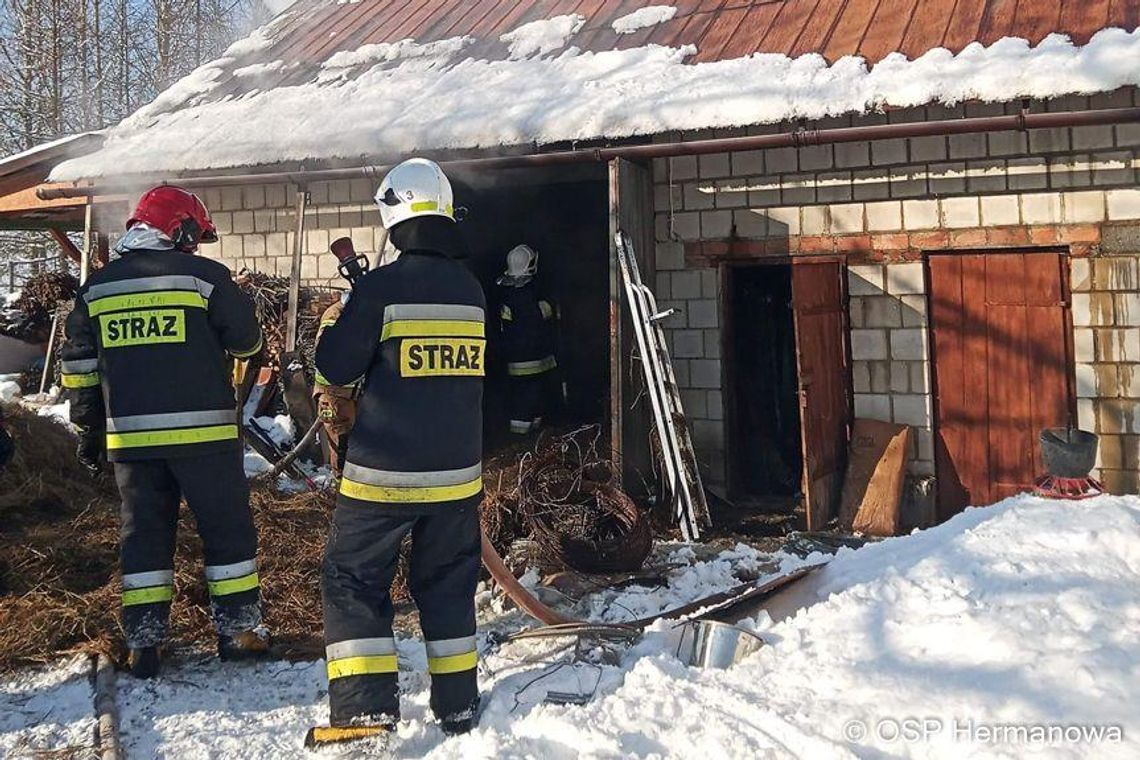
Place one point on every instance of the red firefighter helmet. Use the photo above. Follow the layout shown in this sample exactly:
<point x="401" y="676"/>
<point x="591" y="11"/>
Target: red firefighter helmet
<point x="178" y="214"/>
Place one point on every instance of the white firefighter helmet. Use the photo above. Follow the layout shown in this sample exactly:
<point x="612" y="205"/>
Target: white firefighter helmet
<point x="522" y="261"/>
<point x="417" y="187"/>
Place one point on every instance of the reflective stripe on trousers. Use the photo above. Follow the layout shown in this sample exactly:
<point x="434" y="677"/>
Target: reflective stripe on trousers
<point x="451" y="655"/>
<point x="359" y="657"/>
<point x="234" y="578"/>
<point x="150" y="587"/>
<point x="536" y="367"/>
<point x="368" y="484"/>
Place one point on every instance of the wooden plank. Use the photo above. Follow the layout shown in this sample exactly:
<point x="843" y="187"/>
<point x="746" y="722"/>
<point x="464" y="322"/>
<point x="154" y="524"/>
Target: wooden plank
<point x="964" y="24"/>
<point x="887" y="28"/>
<point x="816" y="31"/>
<point x="873" y="484"/>
<point x="947" y="353"/>
<point x="1034" y="19"/>
<point x="787" y="26"/>
<point x="1081" y="19"/>
<point x="748" y="36"/>
<point x="997" y="20"/>
<point x="848" y="33"/>
<point x="927" y="27"/>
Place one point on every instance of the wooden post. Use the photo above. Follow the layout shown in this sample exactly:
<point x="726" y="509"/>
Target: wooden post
<point x="88" y="241"/>
<point x="295" y="272"/>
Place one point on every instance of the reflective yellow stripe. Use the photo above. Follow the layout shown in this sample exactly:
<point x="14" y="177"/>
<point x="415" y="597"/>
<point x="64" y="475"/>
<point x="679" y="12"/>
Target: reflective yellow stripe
<point x="455" y="663"/>
<point x="171" y="437"/>
<point x="233" y="585"/>
<point x="421" y="206"/>
<point x="362" y="666"/>
<point x="86" y="380"/>
<point x="423" y="328"/>
<point x="250" y="352"/>
<point x="411" y="494"/>
<point x="146" y="301"/>
<point x="152" y="595"/>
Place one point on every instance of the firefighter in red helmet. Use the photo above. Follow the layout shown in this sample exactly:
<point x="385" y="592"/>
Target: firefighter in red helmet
<point x="146" y="365"/>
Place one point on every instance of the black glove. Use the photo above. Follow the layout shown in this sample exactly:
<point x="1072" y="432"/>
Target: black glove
<point x="7" y="447"/>
<point x="91" y="450"/>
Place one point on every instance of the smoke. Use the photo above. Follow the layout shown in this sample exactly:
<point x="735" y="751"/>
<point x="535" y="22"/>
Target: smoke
<point x="277" y="6"/>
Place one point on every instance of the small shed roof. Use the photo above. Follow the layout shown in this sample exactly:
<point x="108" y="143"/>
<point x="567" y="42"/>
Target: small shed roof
<point x="355" y="80"/>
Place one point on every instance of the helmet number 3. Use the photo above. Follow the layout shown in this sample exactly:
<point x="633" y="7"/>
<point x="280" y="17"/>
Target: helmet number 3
<point x="442" y="357"/>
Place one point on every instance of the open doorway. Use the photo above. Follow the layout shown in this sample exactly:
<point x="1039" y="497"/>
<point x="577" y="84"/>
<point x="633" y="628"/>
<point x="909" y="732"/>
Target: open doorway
<point x="768" y="458"/>
<point x="563" y="215"/>
<point x="788" y="392"/>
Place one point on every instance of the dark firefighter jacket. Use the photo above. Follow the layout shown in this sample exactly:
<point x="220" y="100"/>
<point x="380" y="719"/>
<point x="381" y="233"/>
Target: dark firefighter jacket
<point x="146" y="354"/>
<point x="415" y="330"/>
<point x="528" y="335"/>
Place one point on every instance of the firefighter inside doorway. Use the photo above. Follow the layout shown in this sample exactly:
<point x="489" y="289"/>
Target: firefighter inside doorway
<point x="413" y="464"/>
<point x="527" y="322"/>
<point x="155" y="314"/>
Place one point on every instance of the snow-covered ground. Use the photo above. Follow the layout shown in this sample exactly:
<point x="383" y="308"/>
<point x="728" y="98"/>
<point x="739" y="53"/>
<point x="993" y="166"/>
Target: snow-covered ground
<point x="1010" y="631"/>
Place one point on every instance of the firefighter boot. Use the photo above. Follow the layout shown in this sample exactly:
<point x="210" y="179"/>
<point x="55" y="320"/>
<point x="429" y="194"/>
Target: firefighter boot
<point x="246" y="645"/>
<point x="461" y="722"/>
<point x="144" y="662"/>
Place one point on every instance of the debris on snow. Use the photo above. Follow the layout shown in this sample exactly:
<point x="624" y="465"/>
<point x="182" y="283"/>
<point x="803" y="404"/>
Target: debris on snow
<point x="542" y="36"/>
<point x="1019" y="614"/>
<point x="575" y="95"/>
<point x="643" y="18"/>
<point x="47" y="711"/>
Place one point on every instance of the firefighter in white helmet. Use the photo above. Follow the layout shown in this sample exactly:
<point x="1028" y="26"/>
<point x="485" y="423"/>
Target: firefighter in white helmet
<point x="527" y="323"/>
<point x="413" y="465"/>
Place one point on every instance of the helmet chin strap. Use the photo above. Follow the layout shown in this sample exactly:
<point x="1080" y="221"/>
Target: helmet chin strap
<point x="187" y="235"/>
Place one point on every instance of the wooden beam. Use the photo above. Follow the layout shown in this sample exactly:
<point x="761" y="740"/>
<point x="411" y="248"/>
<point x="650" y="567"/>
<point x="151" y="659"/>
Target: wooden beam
<point x="26" y="201"/>
<point x="65" y="243"/>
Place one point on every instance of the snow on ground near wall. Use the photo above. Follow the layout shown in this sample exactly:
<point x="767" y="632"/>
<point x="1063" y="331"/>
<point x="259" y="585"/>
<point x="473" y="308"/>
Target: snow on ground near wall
<point x="451" y="101"/>
<point x="1023" y="613"/>
<point x="47" y="709"/>
<point x="643" y="18"/>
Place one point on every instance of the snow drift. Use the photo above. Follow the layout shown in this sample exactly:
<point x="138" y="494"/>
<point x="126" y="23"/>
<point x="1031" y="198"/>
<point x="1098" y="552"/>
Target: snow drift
<point x="546" y="93"/>
<point x="960" y="641"/>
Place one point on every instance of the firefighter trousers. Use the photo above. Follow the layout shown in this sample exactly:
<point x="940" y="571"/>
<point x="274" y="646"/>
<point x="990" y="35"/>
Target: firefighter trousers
<point x="359" y="567"/>
<point x="532" y="398"/>
<point x="216" y="491"/>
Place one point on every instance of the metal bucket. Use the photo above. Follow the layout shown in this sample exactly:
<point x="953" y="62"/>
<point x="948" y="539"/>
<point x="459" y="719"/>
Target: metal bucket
<point x="710" y="644"/>
<point x="1068" y="452"/>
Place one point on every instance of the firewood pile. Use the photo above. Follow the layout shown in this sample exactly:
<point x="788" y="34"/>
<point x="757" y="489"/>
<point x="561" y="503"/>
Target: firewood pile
<point x="29" y="318"/>
<point x="271" y="300"/>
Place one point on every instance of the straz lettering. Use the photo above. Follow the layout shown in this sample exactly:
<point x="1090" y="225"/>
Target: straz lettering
<point x="139" y="328"/>
<point x="442" y="357"/>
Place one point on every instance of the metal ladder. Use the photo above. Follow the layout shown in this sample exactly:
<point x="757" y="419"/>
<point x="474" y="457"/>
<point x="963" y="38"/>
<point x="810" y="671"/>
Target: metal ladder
<point x="683" y="477"/>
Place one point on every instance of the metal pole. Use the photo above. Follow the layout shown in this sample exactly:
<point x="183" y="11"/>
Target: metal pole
<point x="295" y="272"/>
<point x="48" y="365"/>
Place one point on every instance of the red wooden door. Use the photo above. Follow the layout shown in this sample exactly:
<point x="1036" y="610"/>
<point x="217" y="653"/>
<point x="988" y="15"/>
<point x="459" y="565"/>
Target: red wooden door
<point x="821" y="355"/>
<point x="999" y="328"/>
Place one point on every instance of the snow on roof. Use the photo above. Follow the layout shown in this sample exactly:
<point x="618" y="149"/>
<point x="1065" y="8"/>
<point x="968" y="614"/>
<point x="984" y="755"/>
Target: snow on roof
<point x="643" y="18"/>
<point x="391" y="99"/>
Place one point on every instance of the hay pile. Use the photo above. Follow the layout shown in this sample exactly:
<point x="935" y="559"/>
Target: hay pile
<point x="59" y="535"/>
<point x="30" y="316"/>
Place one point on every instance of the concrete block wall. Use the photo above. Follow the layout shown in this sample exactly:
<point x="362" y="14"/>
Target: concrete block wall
<point x="1106" y="346"/>
<point x="890" y="360"/>
<point x="257" y="225"/>
<point x="694" y="340"/>
<point x="882" y="205"/>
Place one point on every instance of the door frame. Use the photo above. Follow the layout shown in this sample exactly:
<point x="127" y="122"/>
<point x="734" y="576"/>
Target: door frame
<point x="1067" y="319"/>
<point x="728" y="353"/>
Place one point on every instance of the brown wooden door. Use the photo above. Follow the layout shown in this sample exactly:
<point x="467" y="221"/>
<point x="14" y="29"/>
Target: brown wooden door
<point x="1000" y="349"/>
<point x="818" y="297"/>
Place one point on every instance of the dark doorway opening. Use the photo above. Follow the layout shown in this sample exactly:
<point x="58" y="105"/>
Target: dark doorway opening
<point x="563" y="215"/>
<point x="768" y="458"/>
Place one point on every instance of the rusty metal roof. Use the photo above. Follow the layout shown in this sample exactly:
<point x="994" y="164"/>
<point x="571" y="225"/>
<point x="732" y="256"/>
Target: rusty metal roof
<point x="720" y="29"/>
